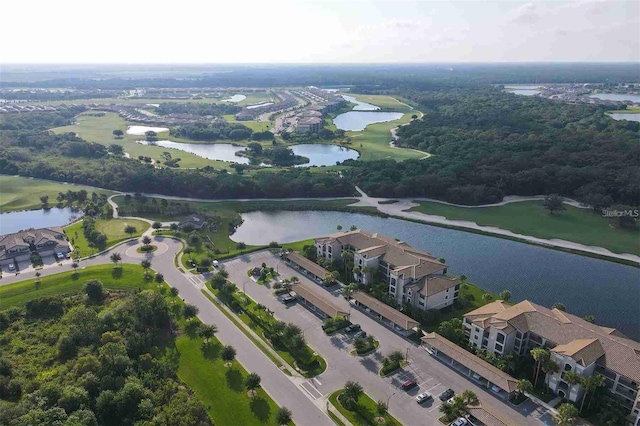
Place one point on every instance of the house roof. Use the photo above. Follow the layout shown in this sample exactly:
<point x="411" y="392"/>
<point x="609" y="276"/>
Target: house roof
<point x="39" y="236"/>
<point x="319" y="301"/>
<point x="307" y="264"/>
<point x="584" y="351"/>
<point x="620" y="354"/>
<point x="486" y="416"/>
<point x="472" y="362"/>
<point x="429" y="286"/>
<point x="393" y="315"/>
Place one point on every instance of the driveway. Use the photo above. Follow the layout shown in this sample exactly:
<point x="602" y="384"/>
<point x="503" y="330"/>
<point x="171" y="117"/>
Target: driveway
<point x="431" y="374"/>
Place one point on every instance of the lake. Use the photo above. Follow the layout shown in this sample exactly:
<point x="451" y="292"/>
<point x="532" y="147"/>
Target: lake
<point x="359" y="120"/>
<point x="617" y="97"/>
<point x="324" y="155"/>
<point x="318" y="154"/>
<point x="235" y="98"/>
<point x="630" y="117"/>
<point x="542" y="275"/>
<point x="259" y="105"/>
<point x="141" y="130"/>
<point x="17" y="221"/>
<point x="360" y="106"/>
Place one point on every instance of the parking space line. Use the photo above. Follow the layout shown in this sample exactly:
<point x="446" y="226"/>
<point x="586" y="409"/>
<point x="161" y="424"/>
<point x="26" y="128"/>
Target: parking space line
<point x="435" y="408"/>
<point x="433" y="387"/>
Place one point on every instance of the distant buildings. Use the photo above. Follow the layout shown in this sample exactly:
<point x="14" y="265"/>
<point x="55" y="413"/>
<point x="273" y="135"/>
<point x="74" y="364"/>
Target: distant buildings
<point x="194" y="221"/>
<point x="17" y="247"/>
<point x="575" y="345"/>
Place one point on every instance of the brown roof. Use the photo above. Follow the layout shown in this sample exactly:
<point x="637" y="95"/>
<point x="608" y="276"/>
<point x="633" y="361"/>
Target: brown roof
<point x="39" y="236"/>
<point x="321" y="302"/>
<point x="385" y="310"/>
<point x="307" y="264"/>
<point x="488" y="418"/>
<point x="584" y="351"/>
<point x="472" y="362"/>
<point x="621" y="354"/>
<point x="436" y="284"/>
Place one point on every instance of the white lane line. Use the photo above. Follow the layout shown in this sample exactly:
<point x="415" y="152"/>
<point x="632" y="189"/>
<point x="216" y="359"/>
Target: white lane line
<point x="433" y="387"/>
<point x="313" y="398"/>
<point x="317" y="381"/>
<point x="435" y="408"/>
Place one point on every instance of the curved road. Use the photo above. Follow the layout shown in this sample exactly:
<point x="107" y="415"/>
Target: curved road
<point x="280" y="387"/>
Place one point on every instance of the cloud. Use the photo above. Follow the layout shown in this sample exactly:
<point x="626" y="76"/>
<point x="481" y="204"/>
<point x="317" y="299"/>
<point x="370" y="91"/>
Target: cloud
<point x="526" y="14"/>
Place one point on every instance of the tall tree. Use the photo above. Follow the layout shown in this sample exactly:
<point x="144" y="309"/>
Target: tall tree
<point x="283" y="416"/>
<point x="505" y="295"/>
<point x="591" y="383"/>
<point x="251" y="382"/>
<point x="352" y="391"/>
<point x="129" y="229"/>
<point x="553" y="203"/>
<point x="115" y="258"/>
<point x="566" y="415"/>
<point x="540" y="355"/>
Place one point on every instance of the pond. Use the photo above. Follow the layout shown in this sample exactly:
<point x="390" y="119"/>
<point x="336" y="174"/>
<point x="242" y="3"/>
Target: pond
<point x="259" y="105"/>
<point x="623" y="116"/>
<point x="542" y="275"/>
<point x="360" y="106"/>
<point x="17" y="221"/>
<point x="617" y="97"/>
<point x="324" y="155"/>
<point x="318" y="154"/>
<point x="235" y="98"/>
<point x="141" y="130"/>
<point x="359" y="120"/>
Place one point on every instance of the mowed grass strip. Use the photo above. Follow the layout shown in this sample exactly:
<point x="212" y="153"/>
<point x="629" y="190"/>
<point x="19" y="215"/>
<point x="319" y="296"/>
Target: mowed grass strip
<point x="124" y="277"/>
<point x="364" y="413"/>
<point x="531" y="218"/>
<point x="21" y="193"/>
<point x="112" y="228"/>
<point x="220" y="388"/>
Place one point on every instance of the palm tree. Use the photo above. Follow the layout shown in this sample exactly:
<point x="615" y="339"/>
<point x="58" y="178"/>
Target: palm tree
<point x="352" y="392"/>
<point x="251" y="382"/>
<point x="572" y="378"/>
<point x="549" y="367"/>
<point x="339" y="227"/>
<point x="38" y="274"/>
<point x="346" y="256"/>
<point x="348" y="290"/>
<point x="539" y="355"/>
<point x="590" y="384"/>
<point x="524" y="386"/>
<point x="566" y="415"/>
<point x="469" y="397"/>
<point x="353" y="228"/>
<point x="207" y="331"/>
<point x="228" y="354"/>
<point x="115" y="258"/>
<point x="146" y="264"/>
<point x="283" y="416"/>
<point x="381" y="408"/>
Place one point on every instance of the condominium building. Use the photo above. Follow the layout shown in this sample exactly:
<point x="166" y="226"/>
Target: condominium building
<point x="17" y="247"/>
<point x="574" y="344"/>
<point x="414" y="277"/>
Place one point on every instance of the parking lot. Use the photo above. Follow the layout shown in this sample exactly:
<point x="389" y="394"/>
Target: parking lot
<point x="430" y="374"/>
<point x="25" y="265"/>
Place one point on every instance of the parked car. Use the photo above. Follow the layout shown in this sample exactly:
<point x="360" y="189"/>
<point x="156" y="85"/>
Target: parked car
<point x="60" y="255"/>
<point x="67" y="255"/>
<point x="12" y="267"/>
<point x="409" y="384"/>
<point x="360" y="333"/>
<point x="352" y="328"/>
<point x="472" y="419"/>
<point x="288" y="299"/>
<point x="460" y="422"/>
<point x="424" y="396"/>
<point x="446" y="394"/>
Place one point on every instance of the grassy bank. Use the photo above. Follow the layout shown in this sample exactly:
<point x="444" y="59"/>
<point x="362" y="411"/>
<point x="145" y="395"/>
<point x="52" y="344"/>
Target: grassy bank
<point x="21" y="193"/>
<point x="112" y="228"/>
<point x="127" y="277"/>
<point x="363" y="413"/>
<point x="530" y="218"/>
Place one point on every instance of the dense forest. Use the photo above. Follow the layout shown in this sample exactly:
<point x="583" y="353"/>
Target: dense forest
<point x="487" y="144"/>
<point x="204" y="109"/>
<point x="104" y="358"/>
<point x="216" y="130"/>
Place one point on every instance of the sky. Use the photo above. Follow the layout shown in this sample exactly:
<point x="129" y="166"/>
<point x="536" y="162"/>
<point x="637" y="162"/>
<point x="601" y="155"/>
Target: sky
<point x="340" y="31"/>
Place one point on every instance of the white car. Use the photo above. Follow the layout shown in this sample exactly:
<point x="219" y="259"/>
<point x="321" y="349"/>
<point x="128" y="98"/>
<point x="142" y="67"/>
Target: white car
<point x="425" y="396"/>
<point x="12" y="267"/>
<point x="460" y="422"/>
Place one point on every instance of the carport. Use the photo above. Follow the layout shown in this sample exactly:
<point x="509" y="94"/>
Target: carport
<point x="317" y="303"/>
<point x="477" y="369"/>
<point x="307" y="267"/>
<point x="384" y="313"/>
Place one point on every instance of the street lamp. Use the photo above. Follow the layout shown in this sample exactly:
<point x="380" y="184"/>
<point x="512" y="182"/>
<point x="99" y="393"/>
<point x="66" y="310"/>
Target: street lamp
<point x="389" y="399"/>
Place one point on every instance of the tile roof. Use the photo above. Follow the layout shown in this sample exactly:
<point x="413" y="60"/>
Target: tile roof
<point x="621" y="354"/>
<point x="39" y="236"/>
<point x="584" y="351"/>
<point x="394" y="315"/>
<point x="436" y="284"/>
<point x="319" y="301"/>
<point x="472" y="362"/>
<point x="307" y="264"/>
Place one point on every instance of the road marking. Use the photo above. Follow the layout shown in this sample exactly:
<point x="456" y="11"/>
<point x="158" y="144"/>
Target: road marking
<point x="435" y="408"/>
<point x="309" y="391"/>
<point x="433" y="387"/>
<point x="317" y="381"/>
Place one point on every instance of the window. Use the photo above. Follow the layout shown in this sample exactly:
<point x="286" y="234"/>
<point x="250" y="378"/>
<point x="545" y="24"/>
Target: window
<point x="500" y="338"/>
<point x="446" y="297"/>
<point x="567" y="367"/>
<point x="475" y="337"/>
<point x="498" y="347"/>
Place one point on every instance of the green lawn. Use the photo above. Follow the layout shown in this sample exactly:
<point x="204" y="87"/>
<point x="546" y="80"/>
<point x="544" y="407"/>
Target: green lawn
<point x="364" y="413"/>
<point x="112" y="228"/>
<point x="99" y="129"/>
<point x="121" y="278"/>
<point x="21" y="193"/>
<point x="530" y="218"/>
<point x="383" y="101"/>
<point x="221" y="388"/>
<point x="256" y="126"/>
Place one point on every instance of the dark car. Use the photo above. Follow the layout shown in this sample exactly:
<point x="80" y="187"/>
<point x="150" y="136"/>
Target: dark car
<point x="352" y="328"/>
<point x="409" y="384"/>
<point x="446" y="394"/>
<point x="288" y="299"/>
<point x="360" y="333"/>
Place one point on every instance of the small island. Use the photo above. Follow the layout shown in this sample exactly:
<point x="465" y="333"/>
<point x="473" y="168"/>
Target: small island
<point x="276" y="156"/>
